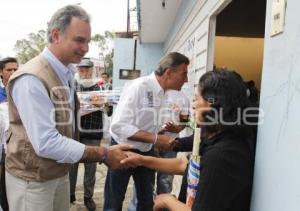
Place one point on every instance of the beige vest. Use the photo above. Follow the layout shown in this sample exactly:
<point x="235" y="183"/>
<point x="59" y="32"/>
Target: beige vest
<point x="21" y="159"/>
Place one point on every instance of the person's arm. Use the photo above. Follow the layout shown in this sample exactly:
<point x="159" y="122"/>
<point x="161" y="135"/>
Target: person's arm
<point x="166" y="165"/>
<point x="184" y="144"/>
<point x="38" y="118"/>
<point x="111" y="156"/>
<point x="37" y="115"/>
<point x="176" y="128"/>
<point x="162" y="142"/>
<point x="172" y="128"/>
<point x="124" y="120"/>
<point x="182" y="103"/>
<point x="169" y="202"/>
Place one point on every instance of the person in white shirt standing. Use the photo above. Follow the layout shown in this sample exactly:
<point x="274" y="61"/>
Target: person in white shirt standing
<point x="136" y="121"/>
<point x="175" y="115"/>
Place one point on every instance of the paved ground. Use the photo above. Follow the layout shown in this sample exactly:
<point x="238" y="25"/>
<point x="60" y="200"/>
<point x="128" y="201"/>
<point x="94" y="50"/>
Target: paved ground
<point x="99" y="189"/>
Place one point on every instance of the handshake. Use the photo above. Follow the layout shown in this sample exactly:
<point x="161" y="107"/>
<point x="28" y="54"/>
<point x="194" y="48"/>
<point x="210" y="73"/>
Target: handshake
<point x="111" y="156"/>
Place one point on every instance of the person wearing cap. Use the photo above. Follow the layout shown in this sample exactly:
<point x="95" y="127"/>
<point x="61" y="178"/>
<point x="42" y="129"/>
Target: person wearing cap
<point x="91" y="125"/>
<point x="42" y="103"/>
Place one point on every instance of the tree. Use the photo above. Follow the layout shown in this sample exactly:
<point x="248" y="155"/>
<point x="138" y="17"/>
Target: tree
<point x="26" y="49"/>
<point x="104" y="43"/>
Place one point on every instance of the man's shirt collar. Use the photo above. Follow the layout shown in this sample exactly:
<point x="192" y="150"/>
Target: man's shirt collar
<point x="155" y="83"/>
<point x="65" y="73"/>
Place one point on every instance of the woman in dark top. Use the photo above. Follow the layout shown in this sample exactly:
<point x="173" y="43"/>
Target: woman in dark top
<point x="227" y="154"/>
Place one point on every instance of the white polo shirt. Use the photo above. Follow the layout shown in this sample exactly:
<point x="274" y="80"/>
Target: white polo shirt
<point x="138" y="109"/>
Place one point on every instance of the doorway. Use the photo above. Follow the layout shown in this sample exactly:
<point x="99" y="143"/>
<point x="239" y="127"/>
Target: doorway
<point x="239" y="38"/>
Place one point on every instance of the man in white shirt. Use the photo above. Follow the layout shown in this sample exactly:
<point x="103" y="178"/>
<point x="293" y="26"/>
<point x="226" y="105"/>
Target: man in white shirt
<point x="175" y="115"/>
<point x="136" y="121"/>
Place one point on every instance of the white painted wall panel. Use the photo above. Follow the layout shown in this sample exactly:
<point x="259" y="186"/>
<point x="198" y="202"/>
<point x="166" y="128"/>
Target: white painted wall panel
<point x="277" y="165"/>
<point x="192" y="36"/>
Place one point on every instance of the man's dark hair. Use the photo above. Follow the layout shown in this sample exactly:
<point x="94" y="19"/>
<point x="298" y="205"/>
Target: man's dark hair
<point x="6" y="60"/>
<point x="171" y="60"/>
<point x="227" y="94"/>
<point x="105" y="74"/>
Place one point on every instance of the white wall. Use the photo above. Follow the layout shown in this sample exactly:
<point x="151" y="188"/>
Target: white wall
<point x="190" y="36"/>
<point x="277" y="168"/>
<point x="147" y="58"/>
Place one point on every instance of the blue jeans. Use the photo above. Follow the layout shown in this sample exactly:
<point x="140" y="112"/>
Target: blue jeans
<point x="117" y="181"/>
<point x="133" y="202"/>
<point x="164" y="182"/>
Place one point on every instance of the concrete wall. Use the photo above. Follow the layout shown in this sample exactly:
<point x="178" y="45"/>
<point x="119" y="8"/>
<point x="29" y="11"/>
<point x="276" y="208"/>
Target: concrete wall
<point x="148" y="56"/>
<point x="277" y="168"/>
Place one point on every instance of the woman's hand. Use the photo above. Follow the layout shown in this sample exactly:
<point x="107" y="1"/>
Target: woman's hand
<point x="133" y="159"/>
<point x="162" y="201"/>
<point x="173" y="128"/>
<point x="168" y="201"/>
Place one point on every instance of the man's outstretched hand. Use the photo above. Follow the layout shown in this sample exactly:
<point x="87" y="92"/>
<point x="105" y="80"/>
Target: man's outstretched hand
<point x="110" y="156"/>
<point x="115" y="154"/>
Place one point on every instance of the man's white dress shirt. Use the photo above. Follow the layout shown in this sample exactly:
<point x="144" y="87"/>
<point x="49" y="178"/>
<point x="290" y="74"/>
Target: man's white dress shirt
<point x="138" y="109"/>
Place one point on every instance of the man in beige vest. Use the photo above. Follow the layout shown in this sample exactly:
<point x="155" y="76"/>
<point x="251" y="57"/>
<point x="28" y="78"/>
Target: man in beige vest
<point x="42" y="101"/>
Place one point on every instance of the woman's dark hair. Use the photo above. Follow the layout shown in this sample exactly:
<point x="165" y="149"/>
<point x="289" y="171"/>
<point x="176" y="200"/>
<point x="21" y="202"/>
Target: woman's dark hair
<point x="227" y="94"/>
<point x="252" y="92"/>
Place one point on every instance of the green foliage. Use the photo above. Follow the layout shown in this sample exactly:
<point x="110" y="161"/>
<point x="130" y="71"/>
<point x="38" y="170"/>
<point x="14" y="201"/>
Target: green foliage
<point x="32" y="46"/>
<point x="104" y="43"/>
<point x="27" y="49"/>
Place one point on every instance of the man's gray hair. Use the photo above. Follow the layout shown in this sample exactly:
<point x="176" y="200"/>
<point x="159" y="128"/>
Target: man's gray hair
<point x="171" y="61"/>
<point x="61" y="19"/>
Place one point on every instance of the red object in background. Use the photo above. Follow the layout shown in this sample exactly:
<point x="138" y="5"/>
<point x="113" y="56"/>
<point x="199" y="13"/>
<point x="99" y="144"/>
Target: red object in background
<point x="101" y="82"/>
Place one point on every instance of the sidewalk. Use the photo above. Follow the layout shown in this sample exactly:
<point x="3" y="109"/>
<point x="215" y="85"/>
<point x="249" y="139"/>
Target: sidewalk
<point x="99" y="189"/>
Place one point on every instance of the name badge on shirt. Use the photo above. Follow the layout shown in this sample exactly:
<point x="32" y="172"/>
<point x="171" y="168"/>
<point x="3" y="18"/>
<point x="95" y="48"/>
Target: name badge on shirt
<point x="150" y="98"/>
